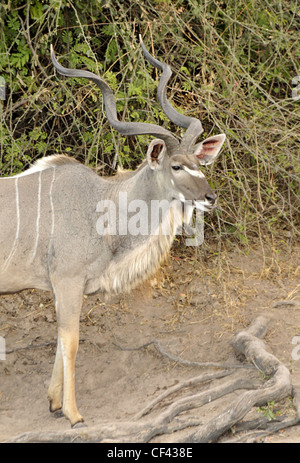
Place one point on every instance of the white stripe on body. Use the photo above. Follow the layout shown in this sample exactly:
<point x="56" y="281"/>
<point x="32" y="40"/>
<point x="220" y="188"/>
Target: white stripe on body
<point x="15" y="244"/>
<point x="52" y="210"/>
<point x="38" y="218"/>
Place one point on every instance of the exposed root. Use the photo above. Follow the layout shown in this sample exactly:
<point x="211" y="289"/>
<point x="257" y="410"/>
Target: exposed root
<point x="165" y="419"/>
<point x="181" y="361"/>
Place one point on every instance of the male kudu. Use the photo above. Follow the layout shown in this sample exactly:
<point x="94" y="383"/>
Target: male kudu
<point x="49" y="222"/>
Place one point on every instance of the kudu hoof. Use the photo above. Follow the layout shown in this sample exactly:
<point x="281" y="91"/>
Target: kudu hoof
<point x="79" y="424"/>
<point x="57" y="413"/>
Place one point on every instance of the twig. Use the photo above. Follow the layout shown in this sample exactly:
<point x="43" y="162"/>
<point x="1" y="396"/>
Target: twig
<point x="31" y="346"/>
<point x="38" y="346"/>
<point x="280" y="303"/>
<point x="174" y="358"/>
<point x="26" y="33"/>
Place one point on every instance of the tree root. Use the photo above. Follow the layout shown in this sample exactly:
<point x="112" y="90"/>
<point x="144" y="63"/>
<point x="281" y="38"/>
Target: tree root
<point x="165" y="420"/>
<point x="181" y="361"/>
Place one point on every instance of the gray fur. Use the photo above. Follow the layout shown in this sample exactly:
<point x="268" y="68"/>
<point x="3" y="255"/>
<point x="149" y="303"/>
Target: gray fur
<point x="49" y="238"/>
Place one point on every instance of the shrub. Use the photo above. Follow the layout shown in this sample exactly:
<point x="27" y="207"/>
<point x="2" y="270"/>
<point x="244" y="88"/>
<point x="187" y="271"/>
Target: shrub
<point x="233" y="65"/>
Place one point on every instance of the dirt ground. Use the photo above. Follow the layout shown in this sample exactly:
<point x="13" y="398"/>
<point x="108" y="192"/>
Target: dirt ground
<point x="193" y="306"/>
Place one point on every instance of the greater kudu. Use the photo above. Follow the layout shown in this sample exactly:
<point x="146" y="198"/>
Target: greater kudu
<point x="49" y="237"/>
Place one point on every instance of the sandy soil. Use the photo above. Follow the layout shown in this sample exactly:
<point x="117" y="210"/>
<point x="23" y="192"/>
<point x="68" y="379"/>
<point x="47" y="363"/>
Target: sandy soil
<point x="193" y="306"/>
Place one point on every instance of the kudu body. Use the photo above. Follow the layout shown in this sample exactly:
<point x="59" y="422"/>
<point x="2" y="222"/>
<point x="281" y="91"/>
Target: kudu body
<point x="49" y="237"/>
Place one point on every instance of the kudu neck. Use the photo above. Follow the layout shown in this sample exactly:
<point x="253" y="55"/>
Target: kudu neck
<point x="144" y="184"/>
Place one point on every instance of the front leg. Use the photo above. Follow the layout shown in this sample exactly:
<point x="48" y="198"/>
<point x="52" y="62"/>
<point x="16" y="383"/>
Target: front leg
<point x="56" y="383"/>
<point x="69" y="344"/>
<point x="68" y="303"/>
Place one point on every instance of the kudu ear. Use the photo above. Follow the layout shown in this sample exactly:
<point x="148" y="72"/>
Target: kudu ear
<point x="155" y="154"/>
<point x="208" y="150"/>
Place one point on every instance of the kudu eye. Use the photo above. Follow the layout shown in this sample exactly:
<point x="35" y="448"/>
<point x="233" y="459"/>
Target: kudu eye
<point x="176" y="167"/>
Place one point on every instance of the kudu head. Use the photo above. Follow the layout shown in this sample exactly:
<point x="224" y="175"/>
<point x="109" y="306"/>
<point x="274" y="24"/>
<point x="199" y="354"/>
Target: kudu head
<point x="177" y="162"/>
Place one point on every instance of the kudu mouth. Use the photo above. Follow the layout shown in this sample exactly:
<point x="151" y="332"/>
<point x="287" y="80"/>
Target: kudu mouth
<point x="205" y="206"/>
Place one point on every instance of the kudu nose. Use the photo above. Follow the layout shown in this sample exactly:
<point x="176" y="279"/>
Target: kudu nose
<point x="211" y="197"/>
